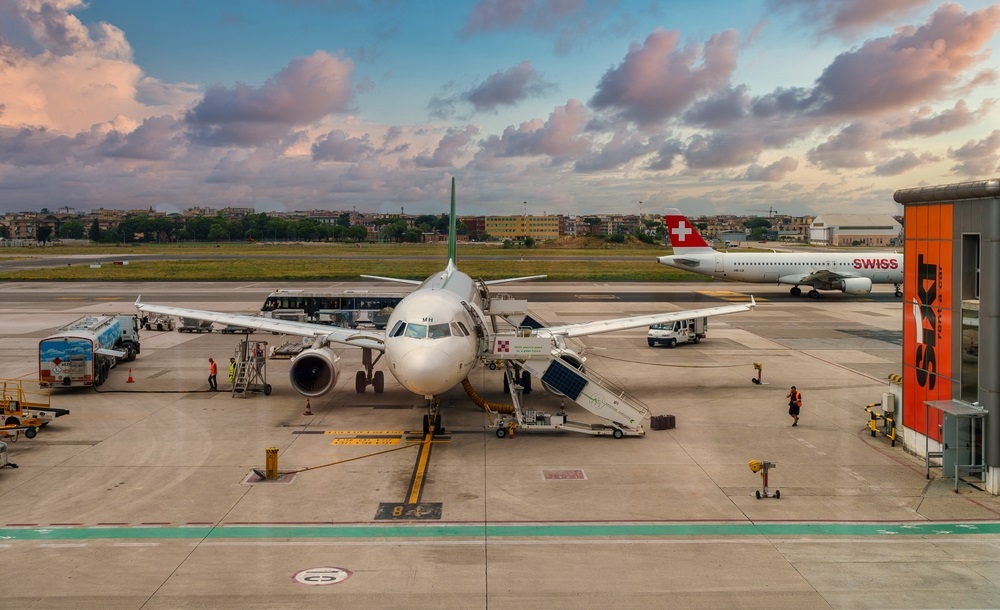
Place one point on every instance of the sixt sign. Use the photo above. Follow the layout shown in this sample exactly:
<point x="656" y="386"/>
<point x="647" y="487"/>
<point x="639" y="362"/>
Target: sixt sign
<point x="925" y="322"/>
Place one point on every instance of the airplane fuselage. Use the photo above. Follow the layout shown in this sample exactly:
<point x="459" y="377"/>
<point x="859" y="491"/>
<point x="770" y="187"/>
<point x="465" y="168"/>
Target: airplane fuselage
<point x="790" y="268"/>
<point x="431" y="343"/>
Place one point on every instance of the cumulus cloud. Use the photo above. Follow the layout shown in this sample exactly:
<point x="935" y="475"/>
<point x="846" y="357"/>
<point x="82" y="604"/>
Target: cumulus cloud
<point x="771" y="173"/>
<point x="924" y="123"/>
<point x="846" y="17"/>
<point x="621" y="150"/>
<point x="449" y="148"/>
<point x="915" y="65"/>
<point x="560" y="136"/>
<point x="659" y="80"/>
<point x="977" y="158"/>
<point x="850" y="148"/>
<point x="507" y="88"/>
<point x="63" y="76"/>
<point x="337" y="145"/>
<point x="306" y="90"/>
<point x="502" y="88"/>
<point x="156" y="139"/>
<point x="902" y="163"/>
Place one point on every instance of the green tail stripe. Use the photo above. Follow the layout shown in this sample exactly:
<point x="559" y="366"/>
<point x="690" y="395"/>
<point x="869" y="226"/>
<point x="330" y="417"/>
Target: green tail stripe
<point x="452" y="223"/>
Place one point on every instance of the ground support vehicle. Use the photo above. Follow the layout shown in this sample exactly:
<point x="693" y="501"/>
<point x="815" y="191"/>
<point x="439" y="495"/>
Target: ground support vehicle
<point x="681" y="331"/>
<point x="4" y="462"/>
<point x="251" y="369"/>
<point x="190" y="325"/>
<point x="159" y="322"/>
<point x="83" y="352"/>
<point x="27" y="407"/>
<point x="561" y="371"/>
<point x="236" y="330"/>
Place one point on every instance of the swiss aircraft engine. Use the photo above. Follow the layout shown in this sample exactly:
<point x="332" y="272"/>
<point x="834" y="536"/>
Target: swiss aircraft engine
<point x="855" y="285"/>
<point x="315" y="371"/>
<point x="571" y="358"/>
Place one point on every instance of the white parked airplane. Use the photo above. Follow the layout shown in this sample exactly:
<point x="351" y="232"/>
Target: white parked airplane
<point x="849" y="272"/>
<point x="433" y="338"/>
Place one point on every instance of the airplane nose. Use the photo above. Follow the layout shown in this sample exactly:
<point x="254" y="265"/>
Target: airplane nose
<point x="427" y="371"/>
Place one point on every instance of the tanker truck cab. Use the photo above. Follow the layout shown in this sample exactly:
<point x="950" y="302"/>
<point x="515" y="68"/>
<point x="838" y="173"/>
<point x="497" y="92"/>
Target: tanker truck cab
<point x="681" y="331"/>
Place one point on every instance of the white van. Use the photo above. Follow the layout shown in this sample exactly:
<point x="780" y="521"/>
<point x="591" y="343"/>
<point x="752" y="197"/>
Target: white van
<point x="681" y="331"/>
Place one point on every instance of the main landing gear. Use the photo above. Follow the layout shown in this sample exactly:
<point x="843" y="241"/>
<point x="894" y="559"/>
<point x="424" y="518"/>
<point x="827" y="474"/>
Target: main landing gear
<point x="369" y="376"/>
<point x="796" y="291"/>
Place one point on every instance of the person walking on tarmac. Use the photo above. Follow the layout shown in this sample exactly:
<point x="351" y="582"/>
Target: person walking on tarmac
<point x="213" y="372"/>
<point x="232" y="371"/>
<point x="794" y="405"/>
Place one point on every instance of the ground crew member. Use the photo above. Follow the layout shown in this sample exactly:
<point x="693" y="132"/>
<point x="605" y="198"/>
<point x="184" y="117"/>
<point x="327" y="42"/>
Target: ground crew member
<point x="794" y="405"/>
<point x="232" y="370"/>
<point x="213" y="372"/>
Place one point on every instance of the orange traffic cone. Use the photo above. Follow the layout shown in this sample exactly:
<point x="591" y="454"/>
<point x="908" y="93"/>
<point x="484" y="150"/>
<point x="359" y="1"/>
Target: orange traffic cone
<point x="130" y="380"/>
<point x="308" y="408"/>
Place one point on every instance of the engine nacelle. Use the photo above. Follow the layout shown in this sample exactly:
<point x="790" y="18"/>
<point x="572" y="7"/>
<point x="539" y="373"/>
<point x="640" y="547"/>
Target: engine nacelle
<point x="855" y="285"/>
<point x="571" y="358"/>
<point x="315" y="371"/>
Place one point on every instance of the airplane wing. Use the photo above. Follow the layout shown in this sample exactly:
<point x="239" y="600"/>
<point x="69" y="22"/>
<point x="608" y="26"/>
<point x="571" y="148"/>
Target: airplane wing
<point x="603" y="326"/>
<point x="513" y="279"/>
<point x="418" y="282"/>
<point x="333" y="334"/>
<point x="398" y="280"/>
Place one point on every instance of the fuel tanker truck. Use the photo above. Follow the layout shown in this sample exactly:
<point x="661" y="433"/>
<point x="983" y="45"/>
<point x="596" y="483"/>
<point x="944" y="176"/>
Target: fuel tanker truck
<point x="83" y="352"/>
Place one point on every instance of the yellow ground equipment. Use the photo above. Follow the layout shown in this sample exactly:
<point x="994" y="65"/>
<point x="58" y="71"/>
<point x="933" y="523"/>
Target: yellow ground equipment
<point x="888" y="423"/>
<point x="762" y="466"/>
<point x="24" y="412"/>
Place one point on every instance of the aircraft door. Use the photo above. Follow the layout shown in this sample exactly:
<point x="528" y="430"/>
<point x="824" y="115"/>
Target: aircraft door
<point x="720" y="265"/>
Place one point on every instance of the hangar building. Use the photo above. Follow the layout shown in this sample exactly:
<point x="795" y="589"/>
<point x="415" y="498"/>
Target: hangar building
<point x="951" y="328"/>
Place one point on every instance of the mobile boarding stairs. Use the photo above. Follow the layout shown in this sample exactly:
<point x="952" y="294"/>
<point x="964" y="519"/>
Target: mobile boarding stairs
<point x="522" y="352"/>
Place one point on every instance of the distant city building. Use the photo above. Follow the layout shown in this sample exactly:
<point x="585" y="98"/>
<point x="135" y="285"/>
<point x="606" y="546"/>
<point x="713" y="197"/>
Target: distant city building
<point x="519" y="227"/>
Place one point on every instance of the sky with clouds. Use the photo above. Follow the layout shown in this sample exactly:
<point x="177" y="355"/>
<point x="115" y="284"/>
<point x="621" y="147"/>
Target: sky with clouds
<point x="554" y="106"/>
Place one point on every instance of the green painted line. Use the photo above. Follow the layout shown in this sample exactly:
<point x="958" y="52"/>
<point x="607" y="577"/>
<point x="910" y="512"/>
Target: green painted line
<point x="444" y="531"/>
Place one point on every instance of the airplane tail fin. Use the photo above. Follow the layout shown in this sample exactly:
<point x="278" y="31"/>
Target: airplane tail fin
<point x="684" y="237"/>
<point x="452" y="224"/>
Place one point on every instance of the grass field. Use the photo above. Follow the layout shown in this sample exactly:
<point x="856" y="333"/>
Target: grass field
<point x="318" y="262"/>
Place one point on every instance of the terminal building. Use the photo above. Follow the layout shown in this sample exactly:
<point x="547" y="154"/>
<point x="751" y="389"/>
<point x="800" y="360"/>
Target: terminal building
<point x="951" y="329"/>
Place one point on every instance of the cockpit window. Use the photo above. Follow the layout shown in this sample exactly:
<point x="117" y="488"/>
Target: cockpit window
<point x="397" y="330"/>
<point x="437" y="331"/>
<point x="458" y="330"/>
<point x="465" y="331"/>
<point x="416" y="331"/>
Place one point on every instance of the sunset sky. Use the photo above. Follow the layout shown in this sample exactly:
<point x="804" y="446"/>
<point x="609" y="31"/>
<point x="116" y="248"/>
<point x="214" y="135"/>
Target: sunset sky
<point x="554" y="106"/>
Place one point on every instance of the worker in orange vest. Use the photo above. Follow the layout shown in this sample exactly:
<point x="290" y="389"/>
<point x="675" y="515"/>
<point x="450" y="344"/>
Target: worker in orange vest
<point x="213" y="372"/>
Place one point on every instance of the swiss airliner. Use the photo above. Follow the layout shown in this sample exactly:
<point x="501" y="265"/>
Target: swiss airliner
<point x="434" y="336"/>
<point x="849" y="272"/>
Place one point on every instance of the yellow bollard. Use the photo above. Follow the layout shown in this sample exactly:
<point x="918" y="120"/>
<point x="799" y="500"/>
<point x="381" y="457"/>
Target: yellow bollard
<point x="271" y="463"/>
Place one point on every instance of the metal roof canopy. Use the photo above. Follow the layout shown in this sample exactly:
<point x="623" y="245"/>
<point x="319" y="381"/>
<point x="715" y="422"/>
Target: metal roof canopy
<point x="949" y="192"/>
<point x="958" y="409"/>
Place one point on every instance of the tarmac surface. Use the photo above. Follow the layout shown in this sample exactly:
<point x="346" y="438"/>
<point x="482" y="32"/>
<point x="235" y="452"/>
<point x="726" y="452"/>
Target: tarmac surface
<point x="145" y="496"/>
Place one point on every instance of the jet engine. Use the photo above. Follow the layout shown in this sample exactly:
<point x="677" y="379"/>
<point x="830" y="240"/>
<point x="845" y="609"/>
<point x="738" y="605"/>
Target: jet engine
<point x="854" y="285"/>
<point x="571" y="358"/>
<point x="315" y="371"/>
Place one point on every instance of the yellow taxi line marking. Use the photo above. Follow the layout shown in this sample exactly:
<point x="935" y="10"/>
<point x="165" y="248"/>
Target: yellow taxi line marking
<point x="417" y="483"/>
<point x="365" y="441"/>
